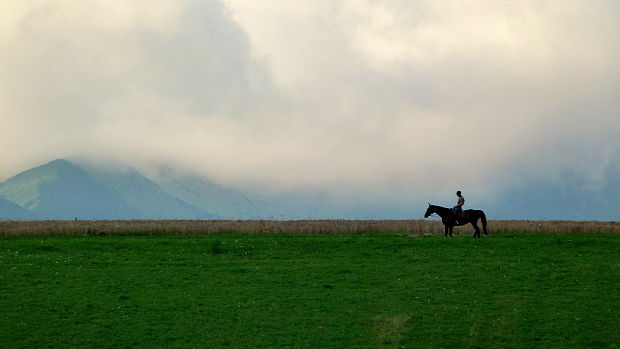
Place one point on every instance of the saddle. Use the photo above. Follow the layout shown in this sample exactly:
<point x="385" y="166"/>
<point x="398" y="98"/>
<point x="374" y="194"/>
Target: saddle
<point x="461" y="215"/>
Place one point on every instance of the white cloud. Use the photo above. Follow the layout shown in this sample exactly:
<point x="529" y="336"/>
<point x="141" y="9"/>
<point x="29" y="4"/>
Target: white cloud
<point x="355" y="98"/>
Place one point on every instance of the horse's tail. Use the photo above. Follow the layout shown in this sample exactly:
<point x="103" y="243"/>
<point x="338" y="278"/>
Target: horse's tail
<point x="483" y="218"/>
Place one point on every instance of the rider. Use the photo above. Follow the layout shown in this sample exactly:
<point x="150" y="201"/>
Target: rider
<point x="456" y="210"/>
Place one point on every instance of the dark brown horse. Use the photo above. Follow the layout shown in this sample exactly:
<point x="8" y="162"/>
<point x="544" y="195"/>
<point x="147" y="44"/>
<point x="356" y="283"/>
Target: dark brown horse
<point x="450" y="221"/>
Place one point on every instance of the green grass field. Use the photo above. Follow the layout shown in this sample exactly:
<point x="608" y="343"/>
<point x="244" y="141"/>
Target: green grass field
<point x="310" y="291"/>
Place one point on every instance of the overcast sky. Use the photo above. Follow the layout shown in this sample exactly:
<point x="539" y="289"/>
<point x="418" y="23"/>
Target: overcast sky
<point x="359" y="98"/>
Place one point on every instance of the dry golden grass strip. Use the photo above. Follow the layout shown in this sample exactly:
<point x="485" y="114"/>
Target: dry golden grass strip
<point x="412" y="227"/>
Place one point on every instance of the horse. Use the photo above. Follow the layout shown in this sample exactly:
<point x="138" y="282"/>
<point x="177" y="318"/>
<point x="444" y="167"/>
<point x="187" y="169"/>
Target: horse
<point x="467" y="216"/>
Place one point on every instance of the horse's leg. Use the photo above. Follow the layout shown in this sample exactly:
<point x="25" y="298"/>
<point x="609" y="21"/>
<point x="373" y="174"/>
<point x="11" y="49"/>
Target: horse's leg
<point x="445" y="227"/>
<point x="477" y="233"/>
<point x="451" y="227"/>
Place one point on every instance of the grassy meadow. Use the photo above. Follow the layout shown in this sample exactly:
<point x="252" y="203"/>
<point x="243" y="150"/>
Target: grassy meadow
<point x="389" y="290"/>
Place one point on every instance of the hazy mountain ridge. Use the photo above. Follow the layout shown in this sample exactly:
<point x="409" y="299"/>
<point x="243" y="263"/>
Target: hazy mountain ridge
<point x="206" y="194"/>
<point x="62" y="190"/>
<point x="65" y="190"/>
<point x="11" y="210"/>
<point x="146" y="197"/>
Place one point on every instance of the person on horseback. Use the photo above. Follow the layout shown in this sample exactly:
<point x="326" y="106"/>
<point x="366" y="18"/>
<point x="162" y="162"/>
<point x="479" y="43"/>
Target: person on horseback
<point x="456" y="210"/>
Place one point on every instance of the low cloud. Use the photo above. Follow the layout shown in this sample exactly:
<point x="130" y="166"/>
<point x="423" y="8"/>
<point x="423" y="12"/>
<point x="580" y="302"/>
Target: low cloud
<point x="352" y="98"/>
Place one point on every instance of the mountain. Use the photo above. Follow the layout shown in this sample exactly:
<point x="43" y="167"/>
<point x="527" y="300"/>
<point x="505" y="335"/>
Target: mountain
<point x="147" y="198"/>
<point x="230" y="203"/>
<point x="10" y="210"/>
<point x="209" y="196"/>
<point x="64" y="190"/>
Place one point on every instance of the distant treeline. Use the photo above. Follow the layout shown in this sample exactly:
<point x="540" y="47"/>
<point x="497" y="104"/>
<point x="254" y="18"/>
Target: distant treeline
<point x="182" y="227"/>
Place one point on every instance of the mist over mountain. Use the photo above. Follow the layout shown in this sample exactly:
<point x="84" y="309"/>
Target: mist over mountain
<point x="145" y="197"/>
<point x="206" y="195"/>
<point x="63" y="189"/>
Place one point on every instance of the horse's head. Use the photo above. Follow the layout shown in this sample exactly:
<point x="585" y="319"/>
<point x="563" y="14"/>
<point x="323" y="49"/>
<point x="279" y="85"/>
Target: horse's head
<point x="429" y="211"/>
